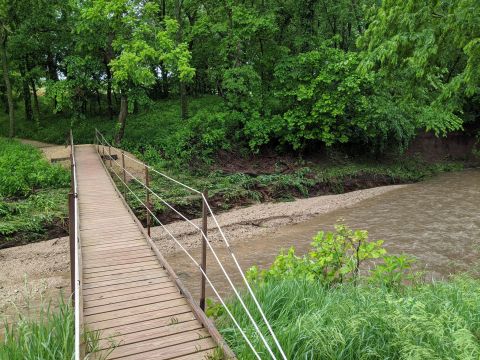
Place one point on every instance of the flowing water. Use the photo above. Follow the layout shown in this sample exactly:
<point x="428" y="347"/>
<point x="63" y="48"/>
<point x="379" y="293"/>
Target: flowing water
<point x="437" y="221"/>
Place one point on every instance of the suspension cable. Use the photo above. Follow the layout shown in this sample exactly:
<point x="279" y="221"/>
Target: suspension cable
<point x="208" y="242"/>
<point x="197" y="265"/>
<point x="252" y="320"/>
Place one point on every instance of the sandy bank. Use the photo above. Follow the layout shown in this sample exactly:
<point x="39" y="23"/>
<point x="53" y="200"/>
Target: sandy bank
<point x="31" y="272"/>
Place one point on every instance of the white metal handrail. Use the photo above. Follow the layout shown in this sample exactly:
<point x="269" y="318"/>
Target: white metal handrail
<point x="76" y="237"/>
<point x="101" y="140"/>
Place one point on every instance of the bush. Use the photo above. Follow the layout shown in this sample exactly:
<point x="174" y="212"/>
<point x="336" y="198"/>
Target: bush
<point x="335" y="258"/>
<point x="23" y="170"/>
<point x="33" y="195"/>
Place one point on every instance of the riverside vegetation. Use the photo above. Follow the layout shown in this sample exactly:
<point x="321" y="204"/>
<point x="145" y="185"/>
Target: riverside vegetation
<point x="32" y="195"/>
<point x="325" y="305"/>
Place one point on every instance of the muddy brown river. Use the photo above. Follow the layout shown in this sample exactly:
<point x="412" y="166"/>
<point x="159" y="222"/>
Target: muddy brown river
<point x="436" y="221"/>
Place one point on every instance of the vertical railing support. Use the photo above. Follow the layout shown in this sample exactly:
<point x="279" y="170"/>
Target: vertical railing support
<point x="124" y="177"/>
<point x="110" y="155"/>
<point x="147" y="199"/>
<point x="204" y="248"/>
<point x="71" y="232"/>
<point x="103" y="152"/>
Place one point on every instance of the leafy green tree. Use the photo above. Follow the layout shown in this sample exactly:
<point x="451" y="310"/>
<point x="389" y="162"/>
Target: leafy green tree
<point x="139" y="42"/>
<point x="427" y="54"/>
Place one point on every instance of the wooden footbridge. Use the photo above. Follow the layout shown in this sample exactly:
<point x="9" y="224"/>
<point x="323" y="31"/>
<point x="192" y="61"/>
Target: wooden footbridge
<point x="125" y="294"/>
<point x="129" y="295"/>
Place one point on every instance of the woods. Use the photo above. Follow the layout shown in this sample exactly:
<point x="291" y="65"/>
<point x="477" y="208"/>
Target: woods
<point x="352" y="73"/>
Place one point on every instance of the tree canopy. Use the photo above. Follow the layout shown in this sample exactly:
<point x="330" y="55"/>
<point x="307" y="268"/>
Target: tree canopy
<point x="290" y="74"/>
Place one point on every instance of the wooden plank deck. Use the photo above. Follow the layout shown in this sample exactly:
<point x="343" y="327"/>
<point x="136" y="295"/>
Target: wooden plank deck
<point x="127" y="295"/>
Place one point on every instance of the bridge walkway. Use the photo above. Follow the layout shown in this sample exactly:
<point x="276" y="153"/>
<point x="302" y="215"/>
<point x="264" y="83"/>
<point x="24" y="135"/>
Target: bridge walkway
<point x="128" y="296"/>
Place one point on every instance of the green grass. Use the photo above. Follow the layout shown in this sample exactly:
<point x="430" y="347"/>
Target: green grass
<point x="428" y="321"/>
<point x="50" y="337"/>
<point x="151" y="127"/>
<point x="33" y="195"/>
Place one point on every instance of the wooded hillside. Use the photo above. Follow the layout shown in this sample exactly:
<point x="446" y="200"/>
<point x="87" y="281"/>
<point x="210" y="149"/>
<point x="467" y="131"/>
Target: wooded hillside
<point x="287" y="74"/>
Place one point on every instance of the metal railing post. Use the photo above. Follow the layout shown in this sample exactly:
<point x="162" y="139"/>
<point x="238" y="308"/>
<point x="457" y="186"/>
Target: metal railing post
<point x="204" y="248"/>
<point x="147" y="200"/>
<point x="124" y="177"/>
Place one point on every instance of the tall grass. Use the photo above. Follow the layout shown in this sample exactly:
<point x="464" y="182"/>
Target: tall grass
<point x="50" y="337"/>
<point x="430" y="321"/>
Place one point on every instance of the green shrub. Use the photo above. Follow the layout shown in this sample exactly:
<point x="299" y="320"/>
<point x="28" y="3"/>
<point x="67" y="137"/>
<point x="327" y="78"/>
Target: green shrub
<point x="33" y="194"/>
<point x="23" y="170"/>
<point x="335" y="258"/>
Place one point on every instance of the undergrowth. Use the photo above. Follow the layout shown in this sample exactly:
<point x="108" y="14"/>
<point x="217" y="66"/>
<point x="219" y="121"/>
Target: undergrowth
<point x="33" y="194"/>
<point x="48" y="337"/>
<point x="229" y="190"/>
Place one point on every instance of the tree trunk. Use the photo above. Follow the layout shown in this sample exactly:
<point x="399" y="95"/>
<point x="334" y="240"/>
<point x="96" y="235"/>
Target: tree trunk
<point x="8" y="86"/>
<point x="183" y="87"/>
<point x="183" y="100"/>
<point x="99" y="101"/>
<point x="165" y="87"/>
<point x="27" y="99"/>
<point x="122" y="117"/>
<point x="109" y="91"/>
<point x="52" y="73"/>
<point x="35" y="99"/>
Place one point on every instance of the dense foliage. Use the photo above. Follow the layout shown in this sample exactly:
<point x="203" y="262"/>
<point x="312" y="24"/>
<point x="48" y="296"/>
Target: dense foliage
<point x="33" y="194"/>
<point x="358" y="74"/>
<point x="338" y="257"/>
<point x="24" y="171"/>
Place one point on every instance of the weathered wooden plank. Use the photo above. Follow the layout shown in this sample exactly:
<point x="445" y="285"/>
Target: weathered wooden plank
<point x="139" y="319"/>
<point x="152" y="323"/>
<point x="150" y="334"/>
<point x="148" y="347"/>
<point x="135" y="310"/>
<point x="105" y="289"/>
<point x="153" y="292"/>
<point x="128" y="304"/>
<point x="119" y="267"/>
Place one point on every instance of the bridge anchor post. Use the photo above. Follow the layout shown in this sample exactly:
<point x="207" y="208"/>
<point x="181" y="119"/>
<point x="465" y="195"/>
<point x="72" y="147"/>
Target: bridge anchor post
<point x="204" y="248"/>
<point x="147" y="199"/>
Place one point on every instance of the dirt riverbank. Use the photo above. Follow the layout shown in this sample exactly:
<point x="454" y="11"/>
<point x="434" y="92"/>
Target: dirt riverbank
<point x="33" y="273"/>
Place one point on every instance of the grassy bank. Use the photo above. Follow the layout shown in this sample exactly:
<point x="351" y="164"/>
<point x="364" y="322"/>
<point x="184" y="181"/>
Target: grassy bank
<point x="311" y="321"/>
<point x="48" y="337"/>
<point x="227" y="190"/>
<point x="33" y="195"/>
<point x="348" y="298"/>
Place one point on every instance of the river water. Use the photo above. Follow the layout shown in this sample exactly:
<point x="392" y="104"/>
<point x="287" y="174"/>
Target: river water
<point x="436" y="221"/>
